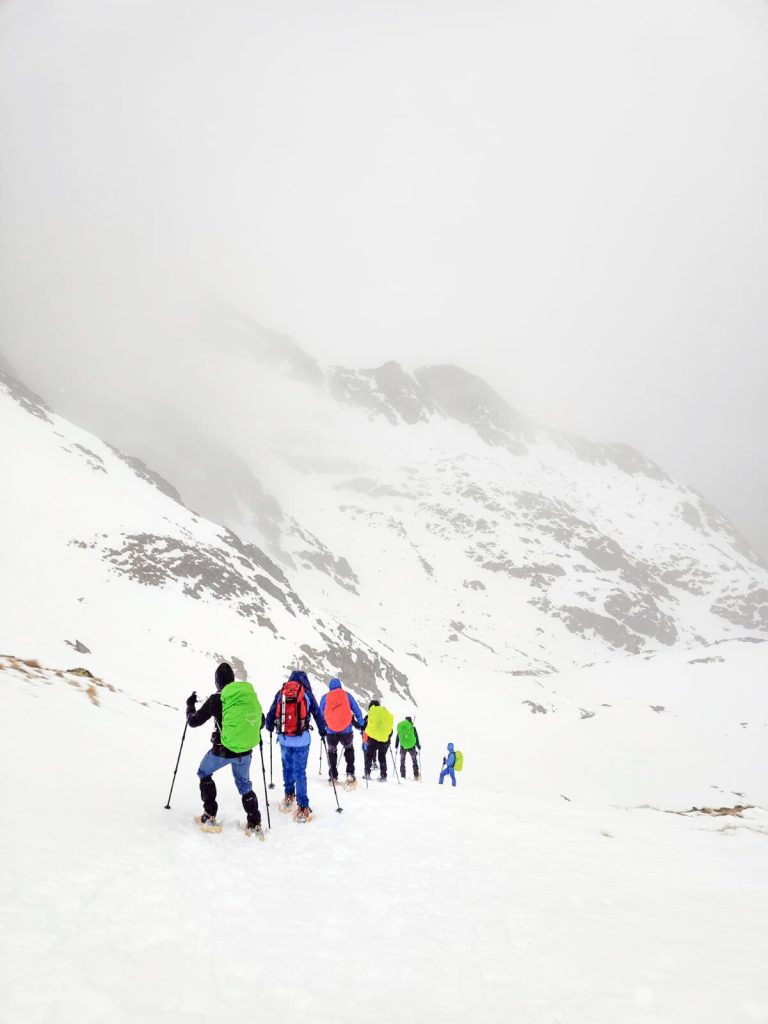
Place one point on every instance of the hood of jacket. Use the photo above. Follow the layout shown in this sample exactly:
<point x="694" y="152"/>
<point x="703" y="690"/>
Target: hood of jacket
<point x="334" y="684"/>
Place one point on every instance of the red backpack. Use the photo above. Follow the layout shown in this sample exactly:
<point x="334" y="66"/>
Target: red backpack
<point x="291" y="711"/>
<point x="338" y="711"/>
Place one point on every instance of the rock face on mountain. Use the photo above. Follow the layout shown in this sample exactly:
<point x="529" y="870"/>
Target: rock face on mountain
<point x="96" y="544"/>
<point x="427" y="526"/>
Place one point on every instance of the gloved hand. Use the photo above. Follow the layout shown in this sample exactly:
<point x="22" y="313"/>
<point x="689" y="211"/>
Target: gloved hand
<point x="192" y="699"/>
<point x="323" y="731"/>
<point x="418" y="746"/>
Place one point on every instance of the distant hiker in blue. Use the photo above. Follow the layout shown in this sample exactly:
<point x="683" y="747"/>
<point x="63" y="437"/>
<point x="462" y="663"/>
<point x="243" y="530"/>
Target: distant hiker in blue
<point x="293" y="704"/>
<point x="448" y="762"/>
<point x="340" y="711"/>
<point x="241" y="730"/>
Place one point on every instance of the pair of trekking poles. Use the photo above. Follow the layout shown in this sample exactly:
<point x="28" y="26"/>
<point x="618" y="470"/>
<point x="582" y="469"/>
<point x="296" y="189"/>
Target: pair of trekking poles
<point x="263" y="773"/>
<point x="339" y="808"/>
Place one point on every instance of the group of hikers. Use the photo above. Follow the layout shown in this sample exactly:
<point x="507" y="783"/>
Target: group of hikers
<point x="238" y="720"/>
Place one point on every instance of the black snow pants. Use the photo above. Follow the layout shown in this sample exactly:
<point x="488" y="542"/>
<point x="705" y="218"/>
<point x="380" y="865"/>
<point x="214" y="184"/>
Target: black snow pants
<point x="333" y="739"/>
<point x="377" y="748"/>
<point x="414" y="758"/>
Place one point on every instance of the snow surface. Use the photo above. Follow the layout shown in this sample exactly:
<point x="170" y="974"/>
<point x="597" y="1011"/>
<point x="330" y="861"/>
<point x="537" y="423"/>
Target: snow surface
<point x="561" y="881"/>
<point x="500" y="900"/>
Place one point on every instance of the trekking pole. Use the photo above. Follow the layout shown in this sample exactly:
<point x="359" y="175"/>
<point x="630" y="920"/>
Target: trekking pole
<point x="264" y="777"/>
<point x="394" y="766"/>
<point x="339" y="808"/>
<point x="320" y="763"/>
<point x="271" y="783"/>
<point x="173" y="780"/>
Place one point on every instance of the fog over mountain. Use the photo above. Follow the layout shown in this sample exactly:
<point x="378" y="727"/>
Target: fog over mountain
<point x="569" y="201"/>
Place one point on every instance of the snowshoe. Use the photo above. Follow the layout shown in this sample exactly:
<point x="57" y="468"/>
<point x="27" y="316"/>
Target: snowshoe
<point x="253" y="830"/>
<point x="287" y="804"/>
<point x="208" y="823"/>
<point x="350" y="783"/>
<point x="303" y="815"/>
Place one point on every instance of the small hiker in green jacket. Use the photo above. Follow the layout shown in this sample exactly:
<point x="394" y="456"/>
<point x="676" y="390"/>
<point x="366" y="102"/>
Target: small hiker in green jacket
<point x="408" y="742"/>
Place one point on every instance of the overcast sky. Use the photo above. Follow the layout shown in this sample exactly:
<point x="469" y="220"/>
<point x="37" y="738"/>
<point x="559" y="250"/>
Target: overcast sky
<point x="568" y="197"/>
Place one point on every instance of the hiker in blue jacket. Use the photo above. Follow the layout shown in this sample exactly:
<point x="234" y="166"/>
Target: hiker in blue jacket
<point x="448" y="762"/>
<point x="293" y="704"/>
<point x="340" y="712"/>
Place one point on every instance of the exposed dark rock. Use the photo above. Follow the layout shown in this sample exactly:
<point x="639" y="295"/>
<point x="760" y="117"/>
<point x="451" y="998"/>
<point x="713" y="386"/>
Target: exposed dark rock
<point x="318" y="556"/>
<point x="251" y="555"/>
<point x="359" y="666"/>
<point x="474" y="585"/>
<point x="468" y="399"/>
<point x="26" y="398"/>
<point x="77" y="646"/>
<point x="641" y="614"/>
<point x="747" y="608"/>
<point x="203" y="571"/>
<point x="143" y="472"/>
<point x="241" y="672"/>
<point x="583" y="620"/>
<point x="94" y="461"/>
<point x="536" y="709"/>
<point x="623" y="456"/>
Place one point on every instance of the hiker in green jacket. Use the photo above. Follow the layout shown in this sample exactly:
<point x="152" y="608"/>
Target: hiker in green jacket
<point x="408" y="742"/>
<point x="238" y="720"/>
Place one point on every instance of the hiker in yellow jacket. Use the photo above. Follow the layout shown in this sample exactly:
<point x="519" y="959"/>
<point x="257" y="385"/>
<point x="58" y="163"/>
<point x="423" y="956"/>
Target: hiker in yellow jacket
<point x="378" y="724"/>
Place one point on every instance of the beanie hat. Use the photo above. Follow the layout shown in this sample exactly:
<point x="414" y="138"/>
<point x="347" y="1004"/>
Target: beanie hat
<point x="224" y="675"/>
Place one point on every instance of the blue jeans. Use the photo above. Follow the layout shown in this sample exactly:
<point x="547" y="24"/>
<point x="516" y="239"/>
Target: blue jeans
<point x="447" y="771"/>
<point x="295" y="773"/>
<point x="241" y="769"/>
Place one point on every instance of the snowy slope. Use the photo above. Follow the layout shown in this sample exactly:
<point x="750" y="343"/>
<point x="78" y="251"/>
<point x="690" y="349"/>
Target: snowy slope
<point x="98" y="553"/>
<point x="497" y="901"/>
<point x="424" y="512"/>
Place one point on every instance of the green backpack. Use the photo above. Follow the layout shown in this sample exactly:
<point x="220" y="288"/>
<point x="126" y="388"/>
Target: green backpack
<point x="407" y="735"/>
<point x="459" y="762"/>
<point x="241" y="718"/>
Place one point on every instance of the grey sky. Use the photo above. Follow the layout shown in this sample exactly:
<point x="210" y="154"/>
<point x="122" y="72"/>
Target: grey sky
<point x="569" y="198"/>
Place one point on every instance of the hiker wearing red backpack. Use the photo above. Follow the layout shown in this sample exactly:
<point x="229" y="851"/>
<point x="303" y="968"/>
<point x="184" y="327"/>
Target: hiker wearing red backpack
<point x="293" y="704"/>
<point x="340" y="712"/>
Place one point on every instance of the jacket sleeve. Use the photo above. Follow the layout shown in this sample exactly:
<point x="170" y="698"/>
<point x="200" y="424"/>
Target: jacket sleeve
<point x="397" y="741"/>
<point x="356" y="711"/>
<point x="204" y="712"/>
<point x="269" y="721"/>
<point x="322" y="706"/>
<point x="416" y="734"/>
<point x="315" y="711"/>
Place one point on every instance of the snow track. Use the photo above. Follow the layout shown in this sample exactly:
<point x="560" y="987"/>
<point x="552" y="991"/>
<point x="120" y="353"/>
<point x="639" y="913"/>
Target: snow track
<point x="418" y="903"/>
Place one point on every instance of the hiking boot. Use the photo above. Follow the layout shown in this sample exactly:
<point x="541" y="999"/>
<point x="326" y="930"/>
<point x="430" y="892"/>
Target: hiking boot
<point x="367" y="776"/>
<point x="303" y="815"/>
<point x="286" y="804"/>
<point x="208" y="823"/>
<point x="382" y="778"/>
<point x="333" y="780"/>
<point x="351" y="780"/>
